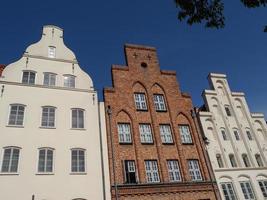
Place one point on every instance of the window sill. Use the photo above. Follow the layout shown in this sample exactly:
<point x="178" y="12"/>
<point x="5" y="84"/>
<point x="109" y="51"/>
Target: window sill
<point x="78" y="173"/>
<point x="161" y="111"/>
<point x="9" y="173"/>
<point x="147" y="143"/>
<point x="44" y="127"/>
<point x="78" y="129"/>
<point x="15" y="126"/>
<point x="167" y="143"/>
<point x="188" y="144"/>
<point x="45" y="173"/>
<point x="142" y="110"/>
<point x="125" y="143"/>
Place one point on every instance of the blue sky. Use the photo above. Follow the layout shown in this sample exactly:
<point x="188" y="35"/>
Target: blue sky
<point x="97" y="30"/>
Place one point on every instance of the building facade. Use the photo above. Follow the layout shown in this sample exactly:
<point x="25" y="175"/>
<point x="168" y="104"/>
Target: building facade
<point x="236" y="141"/>
<point x="153" y="143"/>
<point x="50" y="145"/>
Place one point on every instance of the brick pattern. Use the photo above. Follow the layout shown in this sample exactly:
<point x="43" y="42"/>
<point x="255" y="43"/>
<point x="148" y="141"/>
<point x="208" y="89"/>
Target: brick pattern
<point x="142" y="74"/>
<point x="1" y="69"/>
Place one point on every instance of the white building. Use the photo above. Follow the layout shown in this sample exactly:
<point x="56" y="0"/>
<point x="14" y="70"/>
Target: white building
<point x="50" y="145"/>
<point x="236" y="142"/>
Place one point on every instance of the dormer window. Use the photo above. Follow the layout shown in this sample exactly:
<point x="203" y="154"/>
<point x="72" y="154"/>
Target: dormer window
<point x="69" y="81"/>
<point x="51" y="52"/>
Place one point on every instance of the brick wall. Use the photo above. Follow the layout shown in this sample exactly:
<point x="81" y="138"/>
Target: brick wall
<point x="1" y="69"/>
<point x="142" y="74"/>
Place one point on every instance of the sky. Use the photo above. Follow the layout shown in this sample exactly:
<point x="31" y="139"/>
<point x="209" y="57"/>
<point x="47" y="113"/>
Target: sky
<point x="97" y="30"/>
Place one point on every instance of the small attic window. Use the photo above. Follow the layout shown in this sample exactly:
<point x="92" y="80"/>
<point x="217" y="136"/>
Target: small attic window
<point x="51" y="52"/>
<point x="143" y="64"/>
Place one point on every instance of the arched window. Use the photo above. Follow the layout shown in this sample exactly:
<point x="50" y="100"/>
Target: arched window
<point x="45" y="163"/>
<point x="236" y="134"/>
<point x="77" y="160"/>
<point x="224" y="136"/>
<point x="227" y="110"/>
<point x="259" y="160"/>
<point x="232" y="160"/>
<point x="10" y="160"/>
<point x="246" y="160"/>
<point x="16" y="115"/>
<point x="249" y="134"/>
<point x="219" y="160"/>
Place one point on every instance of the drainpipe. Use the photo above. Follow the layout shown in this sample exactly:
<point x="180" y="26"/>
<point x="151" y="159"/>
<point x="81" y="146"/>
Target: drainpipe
<point x="109" y="112"/>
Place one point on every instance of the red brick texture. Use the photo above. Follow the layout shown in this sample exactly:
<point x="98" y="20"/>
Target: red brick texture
<point x="1" y="69"/>
<point x="151" y="80"/>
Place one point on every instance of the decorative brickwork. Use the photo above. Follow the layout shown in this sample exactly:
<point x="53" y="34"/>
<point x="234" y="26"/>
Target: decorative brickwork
<point x="143" y="75"/>
<point x="1" y="69"/>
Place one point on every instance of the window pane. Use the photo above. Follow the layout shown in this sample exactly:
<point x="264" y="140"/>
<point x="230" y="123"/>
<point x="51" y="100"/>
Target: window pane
<point x="165" y="133"/>
<point x="159" y="102"/>
<point x="185" y="134"/>
<point x="194" y="170"/>
<point x="140" y="101"/>
<point x="16" y="115"/>
<point x="69" y="81"/>
<point x="124" y="132"/>
<point x="145" y="133"/>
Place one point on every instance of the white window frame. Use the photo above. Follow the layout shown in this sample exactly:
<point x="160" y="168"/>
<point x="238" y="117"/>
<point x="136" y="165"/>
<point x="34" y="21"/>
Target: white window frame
<point x="50" y="79"/>
<point x="263" y="187"/>
<point x="46" y="161"/>
<point x="78" y="161"/>
<point x="51" y="52"/>
<point x="159" y="102"/>
<point x="145" y="133"/>
<point x="79" y="124"/>
<point x="174" y="171"/>
<point x="140" y="101"/>
<point x="185" y="134"/>
<point x="29" y="78"/>
<point x="194" y="170"/>
<point x="166" y="133"/>
<point x="16" y="115"/>
<point x="229" y="191"/>
<point x="10" y="160"/>
<point x="69" y="81"/>
<point x="152" y="173"/>
<point x="124" y="133"/>
<point x="46" y="120"/>
<point x="247" y="190"/>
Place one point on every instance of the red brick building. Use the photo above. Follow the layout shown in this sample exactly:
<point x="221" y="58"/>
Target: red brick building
<point x="155" y="151"/>
<point x="1" y="68"/>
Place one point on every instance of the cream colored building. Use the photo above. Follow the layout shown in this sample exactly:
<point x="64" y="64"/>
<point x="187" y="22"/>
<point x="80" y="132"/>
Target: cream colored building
<point x="236" y="141"/>
<point x="50" y="146"/>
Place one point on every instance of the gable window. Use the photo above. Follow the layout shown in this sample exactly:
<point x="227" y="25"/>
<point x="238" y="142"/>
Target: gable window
<point x="185" y="134"/>
<point x="228" y="191"/>
<point x="124" y="131"/>
<point x="45" y="163"/>
<point x="159" y="102"/>
<point x="28" y="77"/>
<point x="10" y="160"/>
<point x="69" y="81"/>
<point x="48" y="116"/>
<point x="129" y="169"/>
<point x="165" y="133"/>
<point x="49" y="79"/>
<point x="152" y="174"/>
<point x="16" y="115"/>
<point x="174" y="171"/>
<point x="77" y="160"/>
<point x="51" y="52"/>
<point x="224" y="136"/>
<point x="236" y="135"/>
<point x="263" y="186"/>
<point x="219" y="160"/>
<point x="77" y="118"/>
<point x="140" y="101"/>
<point x="145" y="133"/>
<point x="232" y="160"/>
<point x="194" y="170"/>
<point x="227" y="110"/>
<point x="249" y="135"/>
<point x="247" y="190"/>
<point x="259" y="160"/>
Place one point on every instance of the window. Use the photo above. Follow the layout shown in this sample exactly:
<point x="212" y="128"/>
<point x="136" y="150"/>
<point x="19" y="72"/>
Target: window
<point x="194" y="170"/>
<point x="145" y="133"/>
<point x="16" y="115"/>
<point x="259" y="160"/>
<point x="159" y="102"/>
<point x="77" y="160"/>
<point x="232" y="160"/>
<point x="152" y="174"/>
<point x="228" y="191"/>
<point x="69" y="81"/>
<point x="10" y="160"/>
<point x="174" y="171"/>
<point x="227" y="110"/>
<point x="224" y="136"/>
<point x="45" y="163"/>
<point x="245" y="160"/>
<point x="236" y="135"/>
<point x="124" y="131"/>
<point x="219" y="160"/>
<point x="140" y="101"/>
<point x="165" y="133"/>
<point x="185" y="134"/>
<point x="51" y="52"/>
<point x="249" y="135"/>
<point x="129" y="169"/>
<point x="263" y="186"/>
<point x="77" y="118"/>
<point x="49" y="79"/>
<point x="247" y="190"/>
<point x="28" y="77"/>
<point x="48" y="116"/>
